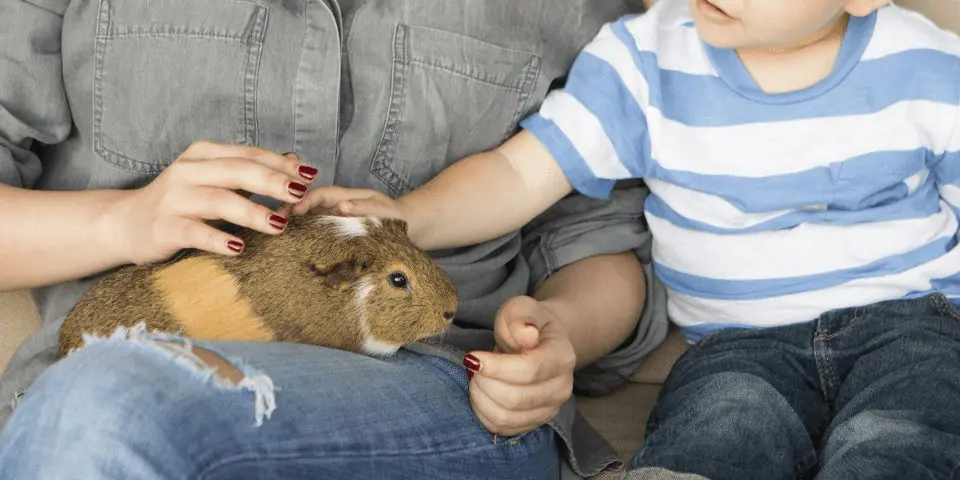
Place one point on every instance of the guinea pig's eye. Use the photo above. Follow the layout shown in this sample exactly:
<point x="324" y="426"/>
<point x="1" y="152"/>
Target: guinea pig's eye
<point x="398" y="280"/>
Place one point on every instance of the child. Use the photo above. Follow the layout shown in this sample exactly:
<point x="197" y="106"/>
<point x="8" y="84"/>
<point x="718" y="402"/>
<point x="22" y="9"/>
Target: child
<point x="803" y="159"/>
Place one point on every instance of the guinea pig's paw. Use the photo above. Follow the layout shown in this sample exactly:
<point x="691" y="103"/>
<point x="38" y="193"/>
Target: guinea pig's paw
<point x="377" y="348"/>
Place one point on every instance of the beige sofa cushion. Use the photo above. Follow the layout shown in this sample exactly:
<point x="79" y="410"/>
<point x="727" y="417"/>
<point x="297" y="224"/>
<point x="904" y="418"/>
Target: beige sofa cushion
<point x="18" y="319"/>
<point x="945" y="13"/>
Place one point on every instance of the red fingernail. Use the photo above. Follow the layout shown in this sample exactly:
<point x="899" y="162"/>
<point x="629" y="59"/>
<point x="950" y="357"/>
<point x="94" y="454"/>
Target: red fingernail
<point x="472" y="363"/>
<point x="296" y="189"/>
<point x="235" y="245"/>
<point x="278" y="222"/>
<point x="307" y="172"/>
<point x="470" y="375"/>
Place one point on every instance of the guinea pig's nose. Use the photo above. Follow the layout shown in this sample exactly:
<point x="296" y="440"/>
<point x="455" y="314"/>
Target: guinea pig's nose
<point x="448" y="315"/>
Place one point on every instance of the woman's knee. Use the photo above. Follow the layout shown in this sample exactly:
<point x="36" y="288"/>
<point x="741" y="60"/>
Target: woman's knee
<point x="124" y="380"/>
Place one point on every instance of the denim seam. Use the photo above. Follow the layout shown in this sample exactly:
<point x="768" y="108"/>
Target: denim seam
<point x="859" y="314"/>
<point x="824" y="366"/>
<point x="253" y="34"/>
<point x="176" y="34"/>
<point x="103" y="28"/>
<point x="379" y="166"/>
<point x="531" y="73"/>
<point x="442" y="346"/>
<point x="208" y="469"/>
<point x="547" y="250"/>
<point x="943" y="305"/>
<point x="451" y="71"/>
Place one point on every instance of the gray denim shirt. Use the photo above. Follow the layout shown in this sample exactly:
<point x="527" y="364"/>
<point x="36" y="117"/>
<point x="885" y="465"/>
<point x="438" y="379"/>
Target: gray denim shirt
<point x="377" y="94"/>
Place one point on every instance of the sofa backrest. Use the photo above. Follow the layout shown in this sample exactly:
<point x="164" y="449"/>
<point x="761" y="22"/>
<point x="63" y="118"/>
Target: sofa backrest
<point x="945" y="13"/>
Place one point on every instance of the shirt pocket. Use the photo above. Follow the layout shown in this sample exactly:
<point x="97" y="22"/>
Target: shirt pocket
<point x="171" y="72"/>
<point x="451" y="95"/>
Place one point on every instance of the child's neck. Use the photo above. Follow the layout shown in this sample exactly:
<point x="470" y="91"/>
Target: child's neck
<point x="788" y="69"/>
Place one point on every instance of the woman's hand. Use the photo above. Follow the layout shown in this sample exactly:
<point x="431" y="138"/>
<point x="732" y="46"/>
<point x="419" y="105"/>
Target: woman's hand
<point x="154" y="222"/>
<point x="522" y="384"/>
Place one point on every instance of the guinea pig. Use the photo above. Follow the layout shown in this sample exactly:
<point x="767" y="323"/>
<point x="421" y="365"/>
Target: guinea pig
<point x="352" y="283"/>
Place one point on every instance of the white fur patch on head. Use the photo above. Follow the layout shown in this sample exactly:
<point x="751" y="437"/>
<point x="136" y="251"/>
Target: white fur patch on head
<point x="376" y="347"/>
<point x="364" y="287"/>
<point x="349" y="226"/>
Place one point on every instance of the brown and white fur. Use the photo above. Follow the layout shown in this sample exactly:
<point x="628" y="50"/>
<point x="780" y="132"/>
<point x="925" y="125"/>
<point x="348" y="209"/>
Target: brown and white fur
<point x="357" y="284"/>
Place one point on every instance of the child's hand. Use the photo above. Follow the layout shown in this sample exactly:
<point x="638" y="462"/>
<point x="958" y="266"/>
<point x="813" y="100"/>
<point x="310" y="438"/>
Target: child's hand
<point x="353" y="202"/>
<point x="154" y="222"/>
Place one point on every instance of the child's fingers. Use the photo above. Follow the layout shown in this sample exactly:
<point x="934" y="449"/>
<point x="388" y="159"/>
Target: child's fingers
<point x="328" y="197"/>
<point x="381" y="207"/>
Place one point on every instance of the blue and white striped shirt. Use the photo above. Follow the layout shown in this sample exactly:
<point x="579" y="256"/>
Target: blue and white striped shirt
<point x="770" y="209"/>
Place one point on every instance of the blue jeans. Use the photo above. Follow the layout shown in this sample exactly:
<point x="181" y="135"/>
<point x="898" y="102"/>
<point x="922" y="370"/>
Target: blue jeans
<point x="129" y="410"/>
<point x="870" y="392"/>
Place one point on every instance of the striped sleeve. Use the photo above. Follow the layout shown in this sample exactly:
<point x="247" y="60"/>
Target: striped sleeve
<point x="595" y="125"/>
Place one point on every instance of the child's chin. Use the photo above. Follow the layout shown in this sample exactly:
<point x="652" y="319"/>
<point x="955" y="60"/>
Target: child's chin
<point x="719" y="39"/>
<point x="721" y="42"/>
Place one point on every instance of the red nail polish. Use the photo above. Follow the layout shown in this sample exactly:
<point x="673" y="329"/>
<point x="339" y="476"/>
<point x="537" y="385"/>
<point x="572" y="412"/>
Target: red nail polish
<point x="296" y="189"/>
<point x="470" y="375"/>
<point x="235" y="245"/>
<point x="307" y="172"/>
<point x="278" y="222"/>
<point x="472" y="363"/>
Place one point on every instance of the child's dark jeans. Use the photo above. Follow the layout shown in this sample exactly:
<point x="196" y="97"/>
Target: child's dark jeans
<point x="861" y="393"/>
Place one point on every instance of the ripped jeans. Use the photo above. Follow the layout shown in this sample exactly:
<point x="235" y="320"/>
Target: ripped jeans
<point x="130" y="409"/>
<point x="861" y="393"/>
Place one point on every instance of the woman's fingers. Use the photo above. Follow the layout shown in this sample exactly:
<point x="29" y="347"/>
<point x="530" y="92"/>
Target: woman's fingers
<point x="218" y="204"/>
<point x="190" y="233"/>
<point x="288" y="163"/>
<point x="551" y="393"/>
<point x="235" y="173"/>
<point x="502" y="421"/>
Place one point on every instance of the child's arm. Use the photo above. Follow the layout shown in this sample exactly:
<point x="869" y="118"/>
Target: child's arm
<point x="586" y="136"/>
<point x="485" y="196"/>
<point x="481" y="197"/>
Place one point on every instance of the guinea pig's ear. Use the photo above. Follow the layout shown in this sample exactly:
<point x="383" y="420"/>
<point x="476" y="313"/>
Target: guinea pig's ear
<point x="342" y="274"/>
